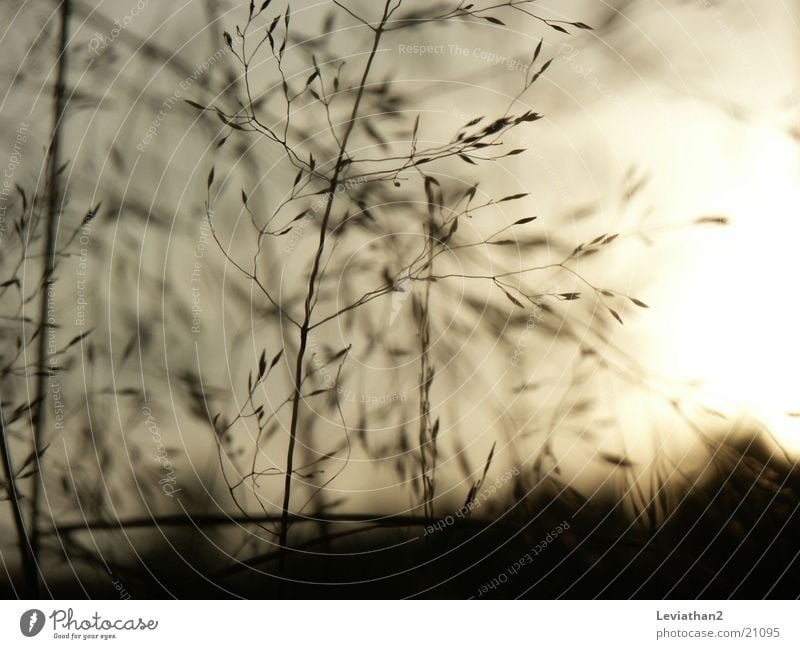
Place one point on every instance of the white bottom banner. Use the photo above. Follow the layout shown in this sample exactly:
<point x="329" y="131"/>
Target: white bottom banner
<point x="359" y="624"/>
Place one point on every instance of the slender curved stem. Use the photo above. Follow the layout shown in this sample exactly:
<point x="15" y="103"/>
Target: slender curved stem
<point x="305" y="327"/>
<point x="43" y="377"/>
<point x="25" y="549"/>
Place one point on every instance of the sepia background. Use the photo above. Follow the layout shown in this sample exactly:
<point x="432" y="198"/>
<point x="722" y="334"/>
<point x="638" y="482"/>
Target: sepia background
<point x="646" y="394"/>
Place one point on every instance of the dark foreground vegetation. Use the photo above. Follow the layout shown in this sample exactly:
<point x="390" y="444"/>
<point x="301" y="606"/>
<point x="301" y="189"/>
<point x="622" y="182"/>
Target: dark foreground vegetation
<point x="382" y="187"/>
<point x="732" y="534"/>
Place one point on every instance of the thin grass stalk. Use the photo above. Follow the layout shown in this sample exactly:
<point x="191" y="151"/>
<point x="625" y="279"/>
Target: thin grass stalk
<point x="310" y="292"/>
<point x="427" y="443"/>
<point x="51" y="235"/>
<point x="25" y="549"/>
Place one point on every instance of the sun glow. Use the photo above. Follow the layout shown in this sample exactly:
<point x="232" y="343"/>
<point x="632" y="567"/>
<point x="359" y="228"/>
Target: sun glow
<point x="731" y="318"/>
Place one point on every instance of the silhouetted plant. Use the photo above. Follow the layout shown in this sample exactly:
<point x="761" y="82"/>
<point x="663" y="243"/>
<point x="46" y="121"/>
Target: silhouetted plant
<point x="378" y="213"/>
<point x="35" y="354"/>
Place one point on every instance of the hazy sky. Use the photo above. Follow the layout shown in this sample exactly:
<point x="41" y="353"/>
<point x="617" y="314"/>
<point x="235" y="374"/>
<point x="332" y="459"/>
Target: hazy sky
<point x="699" y="96"/>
